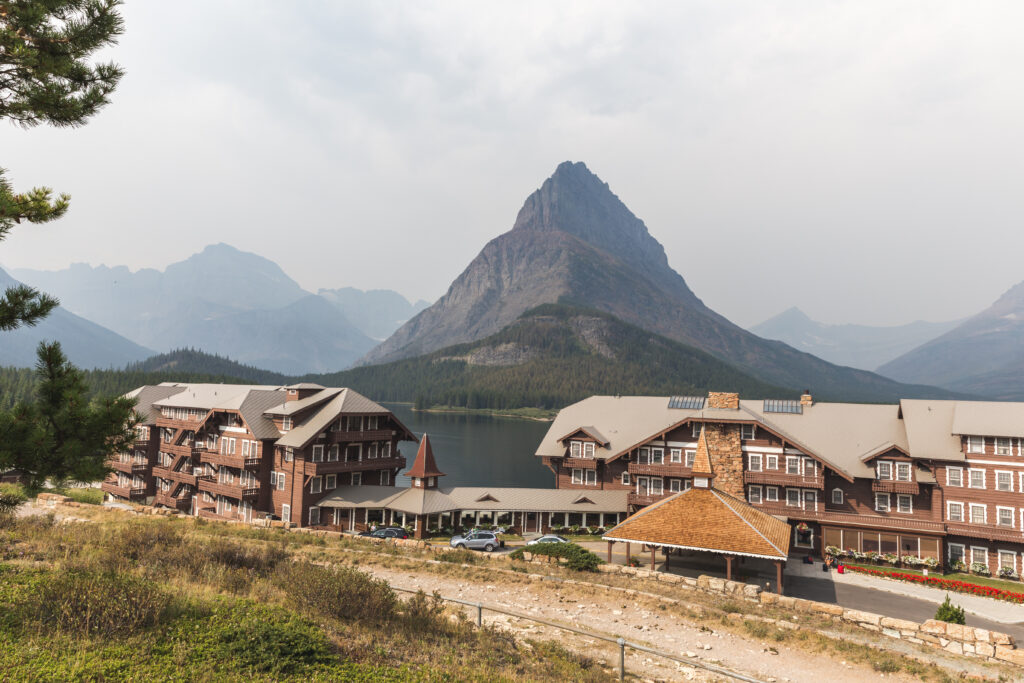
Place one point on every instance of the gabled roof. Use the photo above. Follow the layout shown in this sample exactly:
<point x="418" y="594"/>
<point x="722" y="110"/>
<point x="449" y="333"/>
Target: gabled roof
<point x="304" y="385"/>
<point x="709" y="520"/>
<point x="292" y="407"/>
<point x="929" y="429"/>
<point x="589" y="431"/>
<point x="253" y="411"/>
<point x="424" y="465"/>
<point x="346" y="401"/>
<point x="987" y="418"/>
<point x="211" y="396"/>
<point x="146" y="396"/>
<point x="433" y="501"/>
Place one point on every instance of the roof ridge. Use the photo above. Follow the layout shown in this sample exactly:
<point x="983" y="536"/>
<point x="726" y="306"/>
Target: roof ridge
<point x="722" y="497"/>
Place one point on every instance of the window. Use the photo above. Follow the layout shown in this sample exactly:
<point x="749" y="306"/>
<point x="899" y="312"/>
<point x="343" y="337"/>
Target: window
<point x="289" y="454"/>
<point x="332" y="453"/>
<point x="316" y="484"/>
<point x="978" y="513"/>
<point x="591" y="477"/>
<point x="577" y="476"/>
<point x="837" y="496"/>
<point x="330" y="482"/>
<point x="754" y="494"/>
<point x="588" y="450"/>
<point x="904" y="503"/>
<point x="955" y="511"/>
<point x="1003" y="446"/>
<point x="357" y="479"/>
<point x="771" y="462"/>
<point x="771" y="494"/>
<point x="979" y="555"/>
<point x="954" y="476"/>
<point x="1004" y="481"/>
<point x="286" y="423"/>
<point x="975" y="444"/>
<point x="903" y="471"/>
<point x="690" y="457"/>
<point x="884" y="470"/>
<point x="273" y="480"/>
<point x="385" y="449"/>
<point x="793" y="497"/>
<point x="385" y="478"/>
<point x="286" y="513"/>
<point x="881" y="502"/>
<point x="747" y="431"/>
<point x="314" y="516"/>
<point x="625" y="478"/>
<point x="687" y="484"/>
<point x="318" y="453"/>
<point x="644" y="456"/>
<point x="575" y="449"/>
<point x="674" y="485"/>
<point x="1008" y="558"/>
<point x="810" y="467"/>
<point x="675" y="455"/>
<point x="245" y="449"/>
<point x="371" y="450"/>
<point x="792" y="465"/>
<point x="1004" y="516"/>
<point x="253" y="448"/>
<point x="696" y="429"/>
<point x="280" y="481"/>
<point x="976" y="479"/>
<point x="754" y="462"/>
<point x="956" y="552"/>
<point x="657" y="456"/>
<point x="657" y="487"/>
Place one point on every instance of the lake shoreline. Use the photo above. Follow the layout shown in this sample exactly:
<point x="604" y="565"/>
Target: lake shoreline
<point x="533" y="414"/>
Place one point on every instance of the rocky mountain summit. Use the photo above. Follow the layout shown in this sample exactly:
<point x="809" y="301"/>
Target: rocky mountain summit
<point x="575" y="242"/>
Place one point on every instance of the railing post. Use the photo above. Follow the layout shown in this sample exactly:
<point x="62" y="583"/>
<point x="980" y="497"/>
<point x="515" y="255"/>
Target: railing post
<point x="622" y="658"/>
<point x="479" y="614"/>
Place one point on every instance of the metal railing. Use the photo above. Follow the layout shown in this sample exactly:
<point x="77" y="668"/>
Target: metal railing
<point x="621" y="642"/>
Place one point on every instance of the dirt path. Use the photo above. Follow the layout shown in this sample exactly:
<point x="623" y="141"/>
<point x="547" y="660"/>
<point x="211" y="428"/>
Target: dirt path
<point x="639" y="620"/>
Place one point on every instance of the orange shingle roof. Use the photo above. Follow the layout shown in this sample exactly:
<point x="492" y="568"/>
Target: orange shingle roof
<point x="424" y="465"/>
<point x="707" y="519"/>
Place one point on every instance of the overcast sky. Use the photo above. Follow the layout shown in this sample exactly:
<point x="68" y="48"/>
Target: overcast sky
<point x="860" y="160"/>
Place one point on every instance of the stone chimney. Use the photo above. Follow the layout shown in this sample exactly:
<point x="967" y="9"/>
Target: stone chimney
<point x="806" y="399"/>
<point x="723" y="401"/>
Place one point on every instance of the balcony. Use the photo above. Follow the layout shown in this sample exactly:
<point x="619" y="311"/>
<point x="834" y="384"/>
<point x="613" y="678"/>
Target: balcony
<point x="579" y="463"/>
<point x="128" y="467"/>
<point x="780" y="478"/>
<point x="991" y="532"/>
<point x="184" y="476"/>
<point x="234" y="490"/>
<point x="167" y="500"/>
<point x="394" y="462"/>
<point x="894" y="521"/>
<point x="125" y="492"/>
<point x="368" y="435"/>
<point x="665" y="470"/>
<point x="893" y="486"/>
<point x="222" y="459"/>
<point x="645" y="498"/>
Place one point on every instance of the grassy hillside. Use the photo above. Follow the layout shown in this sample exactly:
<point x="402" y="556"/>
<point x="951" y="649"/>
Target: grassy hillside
<point x="552" y="356"/>
<point x="175" y="600"/>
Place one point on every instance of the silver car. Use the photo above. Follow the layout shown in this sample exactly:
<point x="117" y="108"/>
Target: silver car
<point x="550" y="538"/>
<point x="476" y="540"/>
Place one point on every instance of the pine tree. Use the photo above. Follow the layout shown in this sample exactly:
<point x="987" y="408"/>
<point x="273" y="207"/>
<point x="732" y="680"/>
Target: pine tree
<point x="45" y="77"/>
<point x="62" y="434"/>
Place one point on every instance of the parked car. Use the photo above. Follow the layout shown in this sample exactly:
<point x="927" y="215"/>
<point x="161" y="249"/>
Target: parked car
<point x="550" y="538"/>
<point x="387" y="532"/>
<point x="476" y="540"/>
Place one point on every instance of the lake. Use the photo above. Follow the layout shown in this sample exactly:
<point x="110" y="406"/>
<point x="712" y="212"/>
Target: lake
<point x="478" y="450"/>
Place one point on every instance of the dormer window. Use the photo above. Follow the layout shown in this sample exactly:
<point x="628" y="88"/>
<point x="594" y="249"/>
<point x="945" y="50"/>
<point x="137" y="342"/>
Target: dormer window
<point x="588" y="449"/>
<point x="575" y="449"/>
<point x="975" y="444"/>
<point x="286" y="423"/>
<point x="884" y="470"/>
<point x="903" y="471"/>
<point x="696" y="429"/>
<point x="748" y="431"/>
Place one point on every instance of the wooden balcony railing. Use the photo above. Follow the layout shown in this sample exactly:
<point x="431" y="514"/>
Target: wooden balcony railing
<point x="570" y="463"/>
<point x="123" y="491"/>
<point x="181" y="476"/>
<point x="893" y="486"/>
<point x="233" y="490"/>
<point x="368" y="435"/>
<point x="166" y="499"/>
<point x="991" y="532"/>
<point x="222" y="459"/>
<point x="128" y="467"/>
<point x="394" y="462"/>
<point x="893" y="521"/>
<point x="645" y="499"/>
<point x="668" y="469"/>
<point x="780" y="478"/>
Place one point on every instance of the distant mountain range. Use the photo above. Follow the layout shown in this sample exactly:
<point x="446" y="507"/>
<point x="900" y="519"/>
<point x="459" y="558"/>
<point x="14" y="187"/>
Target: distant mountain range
<point x="228" y="302"/>
<point x="574" y="242"/>
<point x="984" y="355"/>
<point x="858" y="346"/>
<point x="86" y="344"/>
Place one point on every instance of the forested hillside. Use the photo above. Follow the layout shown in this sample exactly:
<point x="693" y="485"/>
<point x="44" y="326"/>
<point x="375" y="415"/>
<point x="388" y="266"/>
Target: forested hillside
<point x="552" y="356"/>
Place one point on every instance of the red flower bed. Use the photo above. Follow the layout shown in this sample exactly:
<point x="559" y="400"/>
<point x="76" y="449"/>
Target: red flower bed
<point x="945" y="584"/>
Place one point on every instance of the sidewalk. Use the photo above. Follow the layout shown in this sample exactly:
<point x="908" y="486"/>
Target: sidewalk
<point x="987" y="608"/>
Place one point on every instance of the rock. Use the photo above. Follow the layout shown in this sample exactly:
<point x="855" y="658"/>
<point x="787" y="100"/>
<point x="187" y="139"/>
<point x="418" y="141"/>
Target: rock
<point x="862" y="617"/>
<point x="934" y="626"/>
<point x="902" y="624"/>
<point x="891" y="632"/>
<point x="954" y="647"/>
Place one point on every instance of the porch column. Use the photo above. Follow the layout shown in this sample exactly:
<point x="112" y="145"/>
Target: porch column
<point x="728" y="567"/>
<point x="778" y="576"/>
<point x="610" y="544"/>
<point x="627" y="551"/>
<point x="653" y="551"/>
<point x="668" y="554"/>
<point x="417" y="528"/>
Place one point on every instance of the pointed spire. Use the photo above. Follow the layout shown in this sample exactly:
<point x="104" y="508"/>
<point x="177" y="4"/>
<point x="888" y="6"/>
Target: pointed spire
<point x="424" y="465"/>
<point x="702" y="460"/>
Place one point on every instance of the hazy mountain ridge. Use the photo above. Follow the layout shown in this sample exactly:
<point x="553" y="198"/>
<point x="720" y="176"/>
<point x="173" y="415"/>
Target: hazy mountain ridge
<point x="982" y="355"/>
<point x="86" y="344"/>
<point x="859" y="346"/>
<point x="575" y="242"/>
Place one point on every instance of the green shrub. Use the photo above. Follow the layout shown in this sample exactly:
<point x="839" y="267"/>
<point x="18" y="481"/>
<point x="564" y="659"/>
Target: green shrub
<point x="93" y="603"/>
<point x="579" y="558"/>
<point x="87" y="495"/>
<point x="950" y="613"/>
<point x="460" y="556"/>
<point x="11" y="496"/>
<point x="341" y="592"/>
<point x="422" y="612"/>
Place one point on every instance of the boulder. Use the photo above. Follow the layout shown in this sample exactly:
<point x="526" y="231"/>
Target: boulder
<point x="862" y="617"/>
<point x="901" y="624"/>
